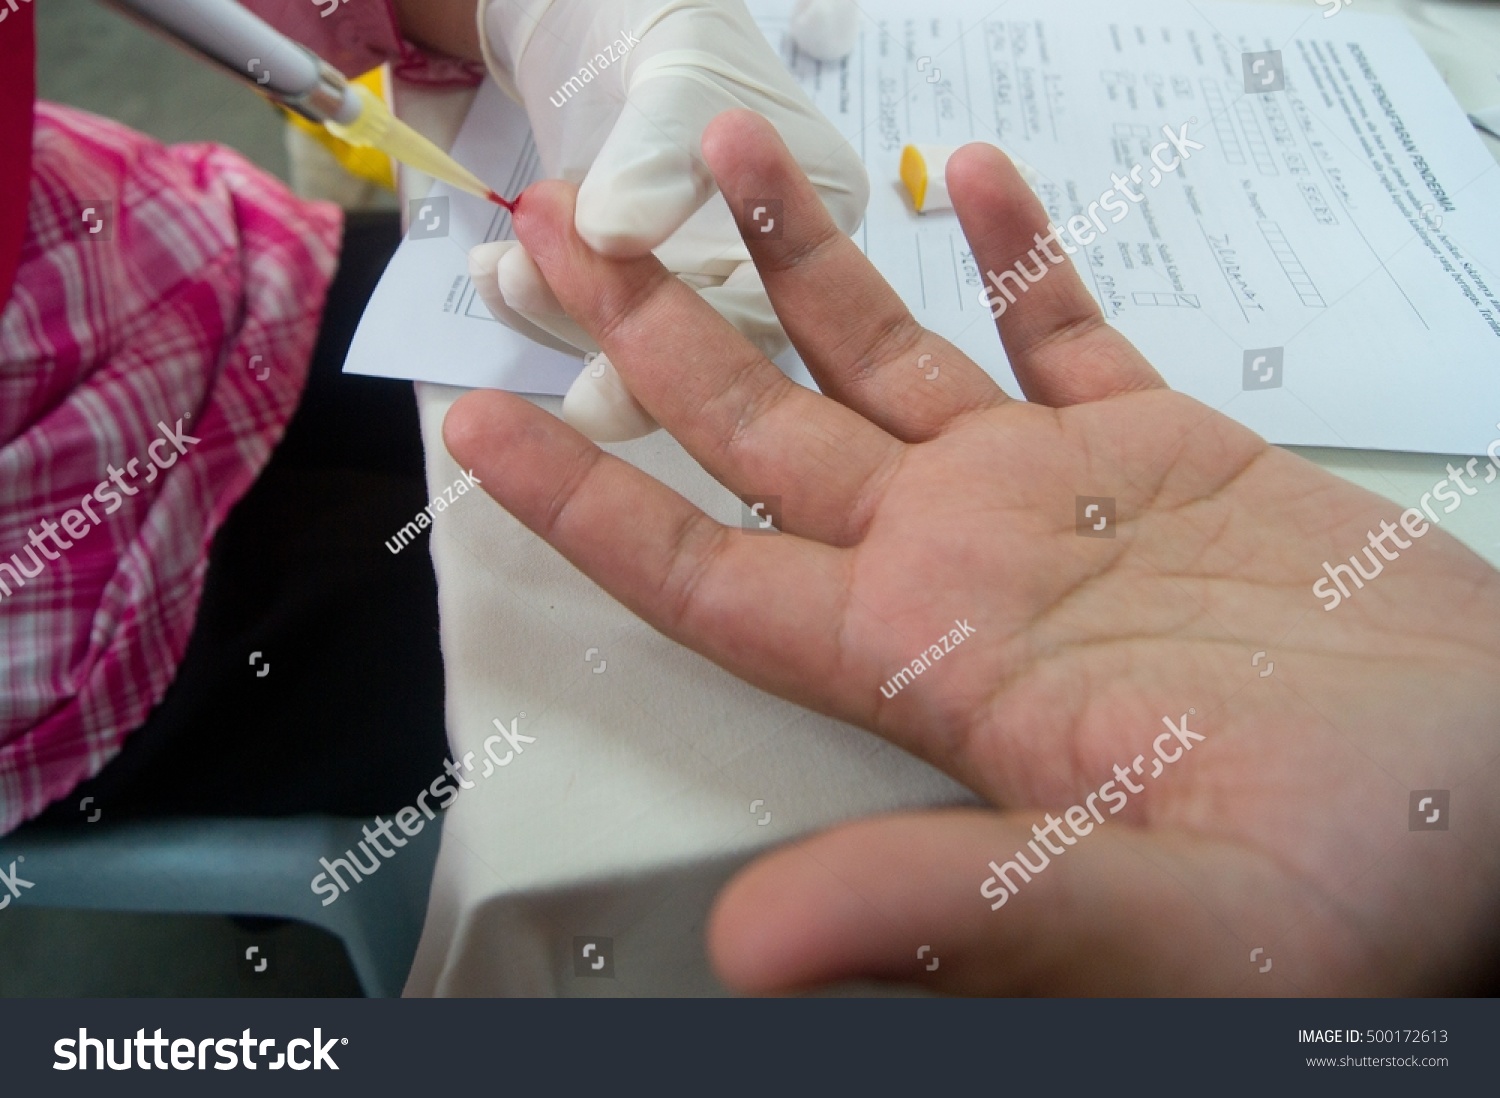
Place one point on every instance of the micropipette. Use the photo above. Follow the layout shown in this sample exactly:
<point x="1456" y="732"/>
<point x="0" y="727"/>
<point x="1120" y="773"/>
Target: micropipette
<point x="289" y="73"/>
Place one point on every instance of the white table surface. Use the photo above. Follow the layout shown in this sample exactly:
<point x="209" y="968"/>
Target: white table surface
<point x="635" y="802"/>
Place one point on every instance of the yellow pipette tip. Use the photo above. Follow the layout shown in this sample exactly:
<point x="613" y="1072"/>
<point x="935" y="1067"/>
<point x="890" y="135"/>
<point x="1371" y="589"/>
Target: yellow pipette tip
<point x="376" y="127"/>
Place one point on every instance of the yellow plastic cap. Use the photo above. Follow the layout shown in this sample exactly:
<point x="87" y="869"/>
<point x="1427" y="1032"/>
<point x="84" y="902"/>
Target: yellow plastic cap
<point x="924" y="171"/>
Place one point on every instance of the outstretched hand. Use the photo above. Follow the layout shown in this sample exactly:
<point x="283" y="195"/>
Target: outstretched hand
<point x="914" y="500"/>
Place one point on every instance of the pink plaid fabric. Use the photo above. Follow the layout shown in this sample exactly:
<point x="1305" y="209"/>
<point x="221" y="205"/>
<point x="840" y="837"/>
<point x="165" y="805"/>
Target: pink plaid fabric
<point x="176" y="336"/>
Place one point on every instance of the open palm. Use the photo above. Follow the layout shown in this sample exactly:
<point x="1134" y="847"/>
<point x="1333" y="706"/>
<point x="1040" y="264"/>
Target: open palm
<point x="942" y="580"/>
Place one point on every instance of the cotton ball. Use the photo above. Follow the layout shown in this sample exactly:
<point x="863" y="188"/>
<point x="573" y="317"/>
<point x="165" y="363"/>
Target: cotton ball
<point x="826" y="29"/>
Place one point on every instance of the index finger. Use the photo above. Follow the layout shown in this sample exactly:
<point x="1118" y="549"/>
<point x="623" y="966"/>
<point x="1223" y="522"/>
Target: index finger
<point x="751" y="427"/>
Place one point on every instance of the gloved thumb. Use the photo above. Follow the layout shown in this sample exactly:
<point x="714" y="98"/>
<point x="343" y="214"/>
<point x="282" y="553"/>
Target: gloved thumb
<point x="599" y="405"/>
<point x="649" y="177"/>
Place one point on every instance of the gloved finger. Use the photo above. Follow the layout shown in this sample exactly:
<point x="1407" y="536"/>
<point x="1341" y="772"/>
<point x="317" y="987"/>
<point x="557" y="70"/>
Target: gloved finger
<point x="857" y="337"/>
<point x="1121" y="911"/>
<point x="525" y="292"/>
<point x="649" y="177"/>
<point x="599" y="405"/>
<point x="741" y="299"/>
<point x="484" y="261"/>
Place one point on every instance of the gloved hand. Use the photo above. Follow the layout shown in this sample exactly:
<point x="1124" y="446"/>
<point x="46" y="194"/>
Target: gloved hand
<point x="619" y="93"/>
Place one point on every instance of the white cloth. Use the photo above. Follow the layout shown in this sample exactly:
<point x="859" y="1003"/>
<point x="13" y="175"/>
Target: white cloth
<point x="634" y="803"/>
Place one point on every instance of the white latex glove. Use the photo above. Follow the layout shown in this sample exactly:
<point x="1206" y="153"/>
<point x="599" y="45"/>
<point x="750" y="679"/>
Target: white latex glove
<point x="630" y="136"/>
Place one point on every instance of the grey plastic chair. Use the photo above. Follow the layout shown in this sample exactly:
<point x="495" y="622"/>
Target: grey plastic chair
<point x="237" y="867"/>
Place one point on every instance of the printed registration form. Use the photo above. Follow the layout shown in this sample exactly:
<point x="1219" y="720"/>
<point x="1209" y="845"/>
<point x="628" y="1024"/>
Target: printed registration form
<point x="1324" y="269"/>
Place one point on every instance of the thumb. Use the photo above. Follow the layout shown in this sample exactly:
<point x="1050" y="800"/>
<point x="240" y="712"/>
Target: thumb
<point x="1122" y="911"/>
<point x="649" y="176"/>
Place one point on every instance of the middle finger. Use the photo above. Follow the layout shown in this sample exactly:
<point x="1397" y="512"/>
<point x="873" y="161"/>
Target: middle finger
<point x="857" y="337"/>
